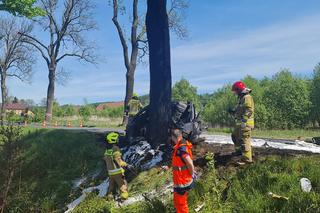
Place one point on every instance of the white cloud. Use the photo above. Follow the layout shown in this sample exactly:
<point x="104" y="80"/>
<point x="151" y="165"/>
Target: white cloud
<point x="294" y="45"/>
<point x="207" y="64"/>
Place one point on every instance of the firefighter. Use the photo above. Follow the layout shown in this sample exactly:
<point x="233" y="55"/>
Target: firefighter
<point x="134" y="105"/>
<point x="183" y="170"/>
<point x="115" y="166"/>
<point x="244" y="122"/>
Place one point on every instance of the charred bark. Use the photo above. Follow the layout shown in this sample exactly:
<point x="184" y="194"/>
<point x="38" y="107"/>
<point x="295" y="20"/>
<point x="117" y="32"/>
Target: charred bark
<point x="160" y="72"/>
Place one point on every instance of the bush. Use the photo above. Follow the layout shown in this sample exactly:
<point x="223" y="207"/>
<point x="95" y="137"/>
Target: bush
<point x="114" y="112"/>
<point x="86" y="111"/>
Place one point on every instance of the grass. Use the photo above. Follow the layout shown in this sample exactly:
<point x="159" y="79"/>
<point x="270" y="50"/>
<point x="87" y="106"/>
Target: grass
<point x="92" y="122"/>
<point x="244" y="190"/>
<point x="278" y="175"/>
<point x="145" y="181"/>
<point x="275" y="134"/>
<point x="51" y="159"/>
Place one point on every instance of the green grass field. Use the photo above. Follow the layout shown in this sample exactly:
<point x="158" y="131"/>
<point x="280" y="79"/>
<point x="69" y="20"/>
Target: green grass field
<point x="51" y="159"/>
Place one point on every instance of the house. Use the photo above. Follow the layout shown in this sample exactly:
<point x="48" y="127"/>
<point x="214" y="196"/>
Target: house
<point x="17" y="108"/>
<point x="103" y="106"/>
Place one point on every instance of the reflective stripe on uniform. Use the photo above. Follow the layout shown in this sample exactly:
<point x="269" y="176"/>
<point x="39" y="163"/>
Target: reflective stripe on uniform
<point x="183" y="185"/>
<point x="250" y="121"/>
<point x="108" y="152"/>
<point x="179" y="168"/>
<point x="116" y="171"/>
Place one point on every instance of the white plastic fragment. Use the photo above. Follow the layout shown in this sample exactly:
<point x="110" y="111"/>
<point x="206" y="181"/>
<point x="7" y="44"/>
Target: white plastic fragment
<point x="305" y="184"/>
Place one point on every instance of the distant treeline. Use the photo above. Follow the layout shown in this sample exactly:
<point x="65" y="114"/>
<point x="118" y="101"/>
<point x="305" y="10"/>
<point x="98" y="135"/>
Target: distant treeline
<point x="285" y="101"/>
<point x="84" y="112"/>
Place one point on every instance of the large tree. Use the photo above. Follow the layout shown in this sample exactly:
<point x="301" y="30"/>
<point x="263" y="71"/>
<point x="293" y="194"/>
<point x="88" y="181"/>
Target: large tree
<point x="138" y="43"/>
<point x="66" y="38"/>
<point x="21" y="7"/>
<point x="160" y="72"/>
<point x="315" y="96"/>
<point x="16" y="58"/>
<point x="184" y="91"/>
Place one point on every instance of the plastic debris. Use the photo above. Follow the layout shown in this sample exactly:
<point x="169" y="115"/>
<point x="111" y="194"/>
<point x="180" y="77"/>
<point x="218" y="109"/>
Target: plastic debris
<point x="275" y="196"/>
<point x="199" y="207"/>
<point x="305" y="184"/>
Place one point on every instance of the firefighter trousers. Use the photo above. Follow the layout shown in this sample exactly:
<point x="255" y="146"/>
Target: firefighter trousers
<point x="242" y="141"/>
<point x="118" y="181"/>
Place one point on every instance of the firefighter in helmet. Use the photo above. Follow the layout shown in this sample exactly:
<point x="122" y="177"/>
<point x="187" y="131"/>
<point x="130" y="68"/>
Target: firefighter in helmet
<point x="115" y="166"/>
<point x="134" y="105"/>
<point x="244" y="121"/>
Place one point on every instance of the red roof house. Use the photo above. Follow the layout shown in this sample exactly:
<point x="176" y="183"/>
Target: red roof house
<point x="101" y="107"/>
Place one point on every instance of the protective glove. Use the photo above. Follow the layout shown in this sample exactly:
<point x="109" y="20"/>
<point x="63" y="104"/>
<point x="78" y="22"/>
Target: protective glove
<point x="195" y="175"/>
<point x="123" y="164"/>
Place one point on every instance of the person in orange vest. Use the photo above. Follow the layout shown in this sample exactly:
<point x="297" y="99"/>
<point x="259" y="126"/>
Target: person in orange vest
<point x="183" y="170"/>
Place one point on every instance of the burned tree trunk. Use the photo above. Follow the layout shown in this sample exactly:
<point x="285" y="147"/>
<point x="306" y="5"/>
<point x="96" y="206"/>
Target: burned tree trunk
<point x="160" y="72"/>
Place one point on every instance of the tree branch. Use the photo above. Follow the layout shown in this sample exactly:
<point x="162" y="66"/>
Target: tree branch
<point x="40" y="50"/>
<point x="121" y="34"/>
<point x="35" y="40"/>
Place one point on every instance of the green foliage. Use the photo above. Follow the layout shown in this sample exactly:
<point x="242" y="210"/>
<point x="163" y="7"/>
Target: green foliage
<point x="62" y="111"/>
<point x="145" y="181"/>
<point x="10" y="159"/>
<point x="315" y="97"/>
<point x="113" y="112"/>
<point x="155" y="205"/>
<point x="93" y="204"/>
<point x="39" y="113"/>
<point x="12" y="117"/>
<point x="282" y="102"/>
<point x="216" y="111"/>
<point x="281" y="176"/>
<point x="288" y="100"/>
<point x="184" y="91"/>
<point x="69" y="110"/>
<point x="86" y="111"/>
<point x="21" y="7"/>
<point x="51" y="159"/>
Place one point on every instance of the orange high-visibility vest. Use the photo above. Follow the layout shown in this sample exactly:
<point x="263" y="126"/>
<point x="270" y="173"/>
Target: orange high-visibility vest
<point x="181" y="175"/>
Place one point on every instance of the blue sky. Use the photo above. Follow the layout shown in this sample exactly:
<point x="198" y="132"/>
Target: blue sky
<point x="228" y="39"/>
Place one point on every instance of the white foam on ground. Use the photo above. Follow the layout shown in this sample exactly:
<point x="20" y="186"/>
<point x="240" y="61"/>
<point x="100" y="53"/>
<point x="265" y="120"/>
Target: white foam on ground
<point x="133" y="155"/>
<point x="102" y="192"/>
<point x="276" y="144"/>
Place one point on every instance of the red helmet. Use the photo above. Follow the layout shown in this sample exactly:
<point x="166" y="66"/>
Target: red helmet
<point x="238" y="87"/>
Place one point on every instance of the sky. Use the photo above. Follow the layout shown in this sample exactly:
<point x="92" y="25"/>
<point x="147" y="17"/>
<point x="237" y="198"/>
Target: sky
<point x="228" y="39"/>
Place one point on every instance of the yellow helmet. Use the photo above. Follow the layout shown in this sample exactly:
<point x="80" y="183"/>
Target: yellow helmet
<point x="135" y="95"/>
<point x="112" y="138"/>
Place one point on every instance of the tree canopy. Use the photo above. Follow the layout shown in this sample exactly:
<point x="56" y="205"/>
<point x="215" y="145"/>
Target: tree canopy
<point x="25" y="8"/>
